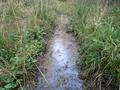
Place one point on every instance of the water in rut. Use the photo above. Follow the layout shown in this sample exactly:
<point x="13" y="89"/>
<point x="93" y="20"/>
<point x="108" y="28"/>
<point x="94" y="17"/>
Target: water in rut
<point x="58" y="67"/>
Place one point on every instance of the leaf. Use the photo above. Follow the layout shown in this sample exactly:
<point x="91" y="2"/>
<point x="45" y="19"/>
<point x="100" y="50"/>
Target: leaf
<point x="11" y="85"/>
<point x="2" y="88"/>
<point x="8" y="86"/>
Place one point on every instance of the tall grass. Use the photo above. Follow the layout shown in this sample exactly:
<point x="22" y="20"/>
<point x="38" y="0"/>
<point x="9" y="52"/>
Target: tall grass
<point x="64" y="7"/>
<point x="97" y="28"/>
<point x="24" y="25"/>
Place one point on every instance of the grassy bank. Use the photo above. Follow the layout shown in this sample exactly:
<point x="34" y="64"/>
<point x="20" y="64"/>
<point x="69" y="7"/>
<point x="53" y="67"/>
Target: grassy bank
<point x="97" y="29"/>
<point x="24" y="26"/>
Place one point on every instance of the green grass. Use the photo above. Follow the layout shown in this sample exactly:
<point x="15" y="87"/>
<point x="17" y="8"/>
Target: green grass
<point x="64" y="7"/>
<point x="24" y="26"/>
<point x="98" y="31"/>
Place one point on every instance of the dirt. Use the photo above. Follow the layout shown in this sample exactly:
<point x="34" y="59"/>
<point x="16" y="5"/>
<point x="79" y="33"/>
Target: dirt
<point x="58" y="69"/>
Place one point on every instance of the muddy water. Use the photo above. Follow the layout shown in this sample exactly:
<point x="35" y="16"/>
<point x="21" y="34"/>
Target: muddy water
<point x="59" y="64"/>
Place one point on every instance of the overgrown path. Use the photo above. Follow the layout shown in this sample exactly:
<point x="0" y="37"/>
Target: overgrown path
<point x="58" y="67"/>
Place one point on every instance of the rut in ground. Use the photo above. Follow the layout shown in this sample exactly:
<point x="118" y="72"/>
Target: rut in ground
<point x="59" y="70"/>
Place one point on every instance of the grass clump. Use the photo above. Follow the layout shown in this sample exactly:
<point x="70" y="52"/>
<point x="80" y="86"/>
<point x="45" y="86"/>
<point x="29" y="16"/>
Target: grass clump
<point x="62" y="0"/>
<point x="24" y="26"/>
<point x="97" y="29"/>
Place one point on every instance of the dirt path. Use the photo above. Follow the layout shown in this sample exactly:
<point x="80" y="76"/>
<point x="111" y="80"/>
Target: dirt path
<point x="59" y="64"/>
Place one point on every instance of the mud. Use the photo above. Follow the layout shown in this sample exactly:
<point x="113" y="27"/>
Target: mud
<point x="58" y="69"/>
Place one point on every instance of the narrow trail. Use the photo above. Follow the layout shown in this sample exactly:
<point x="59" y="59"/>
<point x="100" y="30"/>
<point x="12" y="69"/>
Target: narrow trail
<point x="59" y="64"/>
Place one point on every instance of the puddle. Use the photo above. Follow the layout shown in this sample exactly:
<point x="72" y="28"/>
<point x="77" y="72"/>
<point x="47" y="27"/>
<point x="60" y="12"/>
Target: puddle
<point x="59" y="64"/>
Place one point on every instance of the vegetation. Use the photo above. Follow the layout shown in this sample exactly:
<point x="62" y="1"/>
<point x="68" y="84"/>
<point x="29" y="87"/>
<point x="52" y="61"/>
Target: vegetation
<point x="24" y="26"/>
<point x="62" y="0"/>
<point x="64" y="7"/>
<point x="97" y="28"/>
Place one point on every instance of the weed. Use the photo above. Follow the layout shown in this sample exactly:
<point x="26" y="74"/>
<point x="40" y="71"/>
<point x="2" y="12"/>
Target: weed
<point x="24" y="26"/>
<point x="98" y="32"/>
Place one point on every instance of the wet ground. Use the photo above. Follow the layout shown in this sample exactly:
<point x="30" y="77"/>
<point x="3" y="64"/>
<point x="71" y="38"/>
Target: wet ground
<point x="58" y="70"/>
